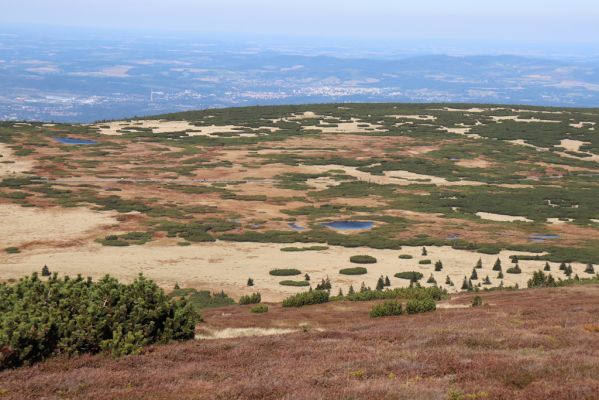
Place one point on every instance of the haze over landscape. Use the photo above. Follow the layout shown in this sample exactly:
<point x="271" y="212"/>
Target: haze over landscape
<point x="299" y="199"/>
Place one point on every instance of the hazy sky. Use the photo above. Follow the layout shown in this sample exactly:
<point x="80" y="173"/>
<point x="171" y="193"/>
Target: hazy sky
<point x="530" y="20"/>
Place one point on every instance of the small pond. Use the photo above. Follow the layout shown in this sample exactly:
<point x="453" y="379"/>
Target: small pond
<point x="68" y="140"/>
<point x="349" y="225"/>
<point x="296" y="227"/>
<point x="541" y="238"/>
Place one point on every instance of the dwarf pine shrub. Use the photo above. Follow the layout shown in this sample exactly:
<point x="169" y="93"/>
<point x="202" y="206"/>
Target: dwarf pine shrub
<point x="417" y="306"/>
<point x="39" y="319"/>
<point x="386" y="309"/>
<point x="307" y="298"/>
<point x="254" y="298"/>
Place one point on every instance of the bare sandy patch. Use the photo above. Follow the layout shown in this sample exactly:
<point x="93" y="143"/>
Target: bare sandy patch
<point x="230" y="333"/>
<point x="582" y="124"/>
<point x="11" y="164"/>
<point x="474" y="163"/>
<point x="227" y="265"/>
<point x="516" y="119"/>
<point x="559" y="221"/>
<point x="502" y="217"/>
<point x="115" y="128"/>
<point x="356" y="126"/>
<point x="396" y="177"/>
<point x="25" y="225"/>
<point x="572" y="145"/>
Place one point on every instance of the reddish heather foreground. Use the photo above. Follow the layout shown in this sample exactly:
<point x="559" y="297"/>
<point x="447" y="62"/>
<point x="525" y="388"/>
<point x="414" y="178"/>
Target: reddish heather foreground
<point x="536" y="344"/>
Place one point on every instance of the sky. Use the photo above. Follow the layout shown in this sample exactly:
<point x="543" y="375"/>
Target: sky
<point x="542" y="21"/>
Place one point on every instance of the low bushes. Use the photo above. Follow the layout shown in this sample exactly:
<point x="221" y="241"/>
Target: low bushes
<point x="308" y="248"/>
<point x="253" y="298"/>
<point x="386" y="309"/>
<point x="540" y="279"/>
<point x="417" y="306"/>
<point x="433" y="292"/>
<point x="42" y="318"/>
<point x="413" y="276"/>
<point x="425" y="262"/>
<point x="259" y="309"/>
<point x="363" y="259"/>
<point x="294" y="283"/>
<point x="354" y="271"/>
<point x="405" y="257"/>
<point x="12" y="250"/>
<point x="514" y="270"/>
<point x="285" y="272"/>
<point x="307" y="298"/>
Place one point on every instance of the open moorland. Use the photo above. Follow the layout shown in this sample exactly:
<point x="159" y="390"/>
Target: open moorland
<point x="530" y="344"/>
<point x="325" y="251"/>
<point x="208" y="199"/>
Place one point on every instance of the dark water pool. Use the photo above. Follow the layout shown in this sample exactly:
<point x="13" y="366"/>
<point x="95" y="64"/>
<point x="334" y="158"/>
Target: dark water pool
<point x="68" y="140"/>
<point x="541" y="238"/>
<point x="349" y="225"/>
<point x="296" y="227"/>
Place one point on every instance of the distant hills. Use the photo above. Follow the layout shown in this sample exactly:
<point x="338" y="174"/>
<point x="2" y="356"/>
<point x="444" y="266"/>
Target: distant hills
<point x="85" y="80"/>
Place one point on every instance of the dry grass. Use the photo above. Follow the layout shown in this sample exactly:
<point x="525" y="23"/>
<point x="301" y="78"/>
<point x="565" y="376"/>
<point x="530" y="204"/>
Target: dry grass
<point x="537" y="344"/>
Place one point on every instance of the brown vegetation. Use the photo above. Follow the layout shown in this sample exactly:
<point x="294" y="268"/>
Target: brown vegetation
<point x="535" y="344"/>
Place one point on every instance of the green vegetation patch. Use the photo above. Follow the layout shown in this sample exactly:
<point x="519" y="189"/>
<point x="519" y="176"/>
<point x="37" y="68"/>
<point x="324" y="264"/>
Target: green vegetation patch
<point x="354" y="271"/>
<point x="253" y="298"/>
<point x="285" y="272"/>
<point x="307" y="298"/>
<point x="386" y="309"/>
<point x="259" y="309"/>
<point x="200" y="299"/>
<point x="417" y="306"/>
<point x="413" y="276"/>
<point x="37" y="318"/>
<point x="363" y="259"/>
<point x="307" y="248"/>
<point x="294" y="283"/>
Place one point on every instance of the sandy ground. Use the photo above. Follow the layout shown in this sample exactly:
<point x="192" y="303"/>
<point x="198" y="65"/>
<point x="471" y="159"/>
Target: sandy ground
<point x="348" y="127"/>
<point x="397" y="177"/>
<point x="163" y="126"/>
<point x="515" y="118"/>
<point x="474" y="163"/>
<point x="582" y="124"/>
<point x="557" y="221"/>
<point x="501" y="217"/>
<point x="228" y="265"/>
<point x="25" y="225"/>
<point x="11" y="164"/>
<point x="572" y="145"/>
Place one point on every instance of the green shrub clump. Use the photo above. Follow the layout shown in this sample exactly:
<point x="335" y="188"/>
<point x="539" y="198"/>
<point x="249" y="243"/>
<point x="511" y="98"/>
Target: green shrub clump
<point x="417" y="306"/>
<point x="363" y="259"/>
<point x="259" y="309"/>
<point x="253" y="298"/>
<point x="540" y="279"/>
<point x="307" y="298"/>
<point x="354" y="271"/>
<point x="386" y="309"/>
<point x="12" y="250"/>
<point x="39" y="319"/>
<point x="413" y="276"/>
<point x="514" y="270"/>
<point x="424" y="262"/>
<point x="294" y="283"/>
<point x="285" y="272"/>
<point x="405" y="257"/>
